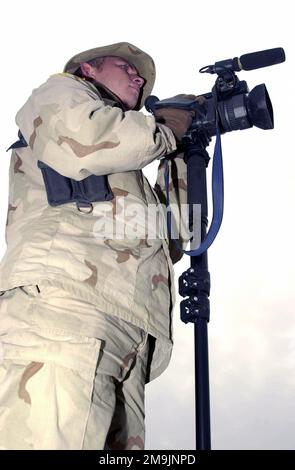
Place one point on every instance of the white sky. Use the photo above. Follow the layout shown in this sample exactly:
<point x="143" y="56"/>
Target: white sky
<point x="252" y="328"/>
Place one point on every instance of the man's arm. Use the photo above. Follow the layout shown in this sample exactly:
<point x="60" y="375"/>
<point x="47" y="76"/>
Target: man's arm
<point x="69" y="127"/>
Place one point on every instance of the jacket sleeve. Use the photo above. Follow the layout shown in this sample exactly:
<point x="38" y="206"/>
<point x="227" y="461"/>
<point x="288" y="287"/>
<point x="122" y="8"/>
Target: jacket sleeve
<point x="178" y="202"/>
<point x="77" y="134"/>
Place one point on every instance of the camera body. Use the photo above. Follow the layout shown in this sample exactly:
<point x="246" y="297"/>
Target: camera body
<point x="230" y="106"/>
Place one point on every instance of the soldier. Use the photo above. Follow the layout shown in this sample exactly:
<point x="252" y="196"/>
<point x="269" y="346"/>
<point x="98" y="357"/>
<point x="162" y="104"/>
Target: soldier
<point x="86" y="306"/>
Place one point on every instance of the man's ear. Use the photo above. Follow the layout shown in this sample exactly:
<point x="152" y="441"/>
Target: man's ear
<point x="87" y="70"/>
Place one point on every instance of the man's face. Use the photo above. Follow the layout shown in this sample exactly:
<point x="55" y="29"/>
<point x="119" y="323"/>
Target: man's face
<point x="121" y="78"/>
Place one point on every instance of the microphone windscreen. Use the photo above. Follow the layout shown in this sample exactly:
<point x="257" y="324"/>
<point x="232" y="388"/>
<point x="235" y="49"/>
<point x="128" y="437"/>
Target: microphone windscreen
<point x="257" y="60"/>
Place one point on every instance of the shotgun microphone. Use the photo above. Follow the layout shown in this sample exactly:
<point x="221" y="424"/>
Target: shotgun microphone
<point x="251" y="61"/>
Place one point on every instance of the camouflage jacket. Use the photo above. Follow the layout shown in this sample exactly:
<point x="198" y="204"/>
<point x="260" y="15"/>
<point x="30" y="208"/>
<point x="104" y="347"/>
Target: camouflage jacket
<point x="70" y="127"/>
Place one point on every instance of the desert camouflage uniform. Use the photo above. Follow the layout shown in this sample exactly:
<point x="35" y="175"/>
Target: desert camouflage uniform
<point x="71" y="128"/>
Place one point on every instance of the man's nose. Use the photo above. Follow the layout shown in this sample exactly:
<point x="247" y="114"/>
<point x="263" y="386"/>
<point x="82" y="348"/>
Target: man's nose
<point x="140" y="81"/>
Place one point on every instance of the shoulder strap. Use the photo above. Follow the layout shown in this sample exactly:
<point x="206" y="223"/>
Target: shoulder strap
<point x="21" y="142"/>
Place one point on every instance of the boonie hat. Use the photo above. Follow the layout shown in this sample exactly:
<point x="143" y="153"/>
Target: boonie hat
<point x="132" y="54"/>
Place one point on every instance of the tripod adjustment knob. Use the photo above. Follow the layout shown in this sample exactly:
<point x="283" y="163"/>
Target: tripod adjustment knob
<point x="193" y="281"/>
<point x="195" y="307"/>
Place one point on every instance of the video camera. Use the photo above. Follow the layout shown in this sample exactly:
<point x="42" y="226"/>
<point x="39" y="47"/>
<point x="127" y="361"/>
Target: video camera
<point x="230" y="105"/>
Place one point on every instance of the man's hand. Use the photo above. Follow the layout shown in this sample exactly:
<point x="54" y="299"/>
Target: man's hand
<point x="178" y="120"/>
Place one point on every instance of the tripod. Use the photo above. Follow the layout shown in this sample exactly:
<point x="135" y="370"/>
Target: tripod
<point x="195" y="283"/>
<point x="229" y="107"/>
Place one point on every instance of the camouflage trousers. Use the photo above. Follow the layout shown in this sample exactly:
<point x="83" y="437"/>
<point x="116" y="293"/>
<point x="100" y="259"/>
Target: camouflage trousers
<point x="71" y="377"/>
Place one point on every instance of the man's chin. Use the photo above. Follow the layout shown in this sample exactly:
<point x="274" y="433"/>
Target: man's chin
<point x="131" y="104"/>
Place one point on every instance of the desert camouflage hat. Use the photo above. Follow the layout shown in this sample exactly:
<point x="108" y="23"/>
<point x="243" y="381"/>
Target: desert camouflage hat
<point x="141" y="60"/>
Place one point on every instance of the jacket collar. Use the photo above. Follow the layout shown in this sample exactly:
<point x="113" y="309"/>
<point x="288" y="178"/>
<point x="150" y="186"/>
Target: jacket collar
<point x="108" y="96"/>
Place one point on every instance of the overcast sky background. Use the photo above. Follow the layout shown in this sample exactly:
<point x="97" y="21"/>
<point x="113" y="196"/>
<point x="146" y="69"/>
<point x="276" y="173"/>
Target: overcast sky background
<point x="252" y="327"/>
